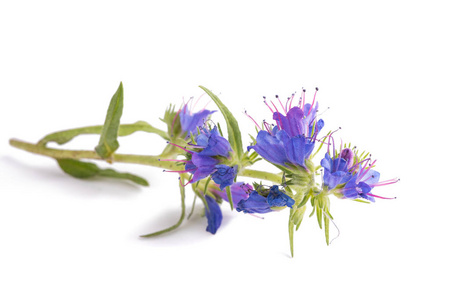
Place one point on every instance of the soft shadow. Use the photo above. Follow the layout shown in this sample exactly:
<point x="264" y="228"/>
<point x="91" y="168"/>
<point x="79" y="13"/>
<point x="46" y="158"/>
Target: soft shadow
<point x="57" y="179"/>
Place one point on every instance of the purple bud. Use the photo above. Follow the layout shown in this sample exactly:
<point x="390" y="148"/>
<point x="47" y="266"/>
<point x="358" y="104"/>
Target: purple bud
<point x="348" y="155"/>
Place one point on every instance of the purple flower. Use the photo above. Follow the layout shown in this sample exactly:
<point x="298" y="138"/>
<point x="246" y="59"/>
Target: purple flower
<point x="239" y="191"/>
<point x="190" y="121"/>
<point x="213" y="215"/>
<point x="291" y="142"/>
<point x="363" y="181"/>
<point x="278" y="198"/>
<point x="255" y="203"/>
<point x="212" y="143"/>
<point x="207" y="157"/>
<point x="335" y="171"/>
<point x="263" y="201"/>
<point x="224" y="175"/>
<point x="201" y="166"/>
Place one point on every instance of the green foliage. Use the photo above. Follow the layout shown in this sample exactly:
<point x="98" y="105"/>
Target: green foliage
<point x="234" y="135"/>
<point x="80" y="169"/>
<point x="108" y="140"/>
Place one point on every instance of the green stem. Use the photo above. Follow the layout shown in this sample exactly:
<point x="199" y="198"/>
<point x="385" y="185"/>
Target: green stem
<point x="83" y="154"/>
<point x="275" y="178"/>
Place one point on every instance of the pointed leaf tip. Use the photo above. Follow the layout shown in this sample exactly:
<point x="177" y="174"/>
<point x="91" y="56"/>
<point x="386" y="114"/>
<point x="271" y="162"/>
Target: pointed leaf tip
<point x="108" y="140"/>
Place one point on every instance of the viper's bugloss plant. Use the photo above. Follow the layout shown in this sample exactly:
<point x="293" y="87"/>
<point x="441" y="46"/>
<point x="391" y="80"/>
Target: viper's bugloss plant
<point x="212" y="164"/>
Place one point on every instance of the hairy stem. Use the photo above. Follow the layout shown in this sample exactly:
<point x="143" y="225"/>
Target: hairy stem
<point x="84" y="154"/>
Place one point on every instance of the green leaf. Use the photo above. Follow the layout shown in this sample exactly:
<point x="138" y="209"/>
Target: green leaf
<point x="62" y="137"/>
<point x="114" y="174"/>
<point x="234" y="135"/>
<point x="77" y="168"/>
<point x="108" y="140"/>
<point x="80" y="169"/>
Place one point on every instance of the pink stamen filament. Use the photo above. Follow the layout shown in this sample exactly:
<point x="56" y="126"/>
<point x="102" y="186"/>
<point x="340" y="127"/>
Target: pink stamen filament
<point x="303" y="97"/>
<point x="196" y="102"/>
<point x="267" y="127"/>
<point x="291" y="100"/>
<point x="359" y="176"/>
<point x="386" y="182"/>
<point x="285" y="111"/>
<point x="380" y="197"/>
<point x="191" y="152"/>
<point x="313" y="102"/>
<point x="280" y="120"/>
<point x="253" y="120"/>
<point x="367" y="169"/>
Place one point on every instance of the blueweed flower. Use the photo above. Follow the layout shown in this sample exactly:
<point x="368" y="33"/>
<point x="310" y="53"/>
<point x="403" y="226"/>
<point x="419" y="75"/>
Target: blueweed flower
<point x="239" y="191"/>
<point x="208" y="154"/>
<point x="292" y="140"/>
<point x="224" y="175"/>
<point x="213" y="214"/>
<point x="351" y="175"/>
<point x="190" y="121"/>
<point x="265" y="200"/>
<point x="336" y="169"/>
<point x="363" y="181"/>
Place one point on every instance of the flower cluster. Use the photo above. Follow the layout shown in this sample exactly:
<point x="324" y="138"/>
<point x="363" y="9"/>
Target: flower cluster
<point x="288" y="144"/>
<point x="208" y="155"/>
<point x="213" y="163"/>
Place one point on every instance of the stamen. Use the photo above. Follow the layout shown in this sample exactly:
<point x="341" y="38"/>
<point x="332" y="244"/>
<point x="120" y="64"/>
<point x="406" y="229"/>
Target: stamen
<point x="265" y="101"/>
<point x="196" y="102"/>
<point x="316" y="90"/>
<point x="285" y="111"/>
<point x="253" y="120"/>
<point x="291" y="100"/>
<point x="380" y="197"/>
<point x="280" y="120"/>
<point x="191" y="152"/>
<point x="303" y="97"/>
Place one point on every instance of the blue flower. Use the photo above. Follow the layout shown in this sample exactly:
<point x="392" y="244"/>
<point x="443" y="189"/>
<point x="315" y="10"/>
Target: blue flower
<point x="190" y="121"/>
<point x="224" y="175"/>
<point x="207" y="157"/>
<point x="335" y="171"/>
<point x="281" y="149"/>
<point x="257" y="203"/>
<point x="239" y="191"/>
<point x="291" y="142"/>
<point x="212" y="142"/>
<point x="363" y="180"/>
<point x="278" y="198"/>
<point x="213" y="215"/>
<point x="357" y="188"/>
<point x="201" y="166"/>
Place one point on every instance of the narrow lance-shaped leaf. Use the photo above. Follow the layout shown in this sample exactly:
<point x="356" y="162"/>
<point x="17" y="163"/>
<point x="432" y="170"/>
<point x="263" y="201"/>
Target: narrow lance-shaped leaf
<point x="108" y="140"/>
<point x="234" y="135"/>
<point x="80" y="169"/>
<point x="65" y="136"/>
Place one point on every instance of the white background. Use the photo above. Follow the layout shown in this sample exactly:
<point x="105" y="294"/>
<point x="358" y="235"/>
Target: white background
<point x="381" y="67"/>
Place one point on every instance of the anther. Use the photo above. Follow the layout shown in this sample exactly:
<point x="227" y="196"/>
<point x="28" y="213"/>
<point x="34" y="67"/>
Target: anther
<point x="316" y="88"/>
